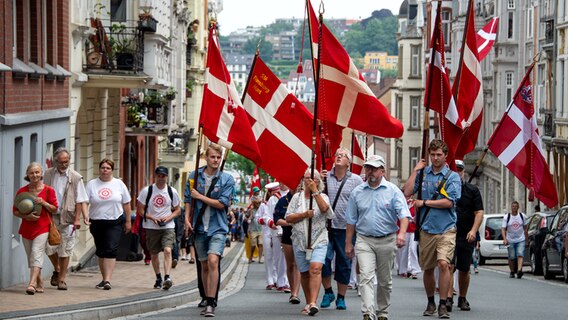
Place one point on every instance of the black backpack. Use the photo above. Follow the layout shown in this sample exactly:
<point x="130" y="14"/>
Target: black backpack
<point x="509" y="218"/>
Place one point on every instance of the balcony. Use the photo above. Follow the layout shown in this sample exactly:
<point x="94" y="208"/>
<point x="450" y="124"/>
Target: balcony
<point x="173" y="148"/>
<point x="148" y="114"/>
<point x="114" y="49"/>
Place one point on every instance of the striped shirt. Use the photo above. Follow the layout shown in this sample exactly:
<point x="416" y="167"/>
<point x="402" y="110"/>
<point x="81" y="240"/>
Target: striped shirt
<point x="332" y="186"/>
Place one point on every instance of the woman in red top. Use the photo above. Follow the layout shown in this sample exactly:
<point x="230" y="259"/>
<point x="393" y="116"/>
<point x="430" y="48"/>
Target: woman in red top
<point x="35" y="227"/>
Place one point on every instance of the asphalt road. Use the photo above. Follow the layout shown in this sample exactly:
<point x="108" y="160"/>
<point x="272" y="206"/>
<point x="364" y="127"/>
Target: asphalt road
<point x="492" y="296"/>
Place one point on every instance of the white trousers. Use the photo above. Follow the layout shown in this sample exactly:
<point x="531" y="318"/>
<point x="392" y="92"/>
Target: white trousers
<point x="407" y="256"/>
<point x="376" y="257"/>
<point x="274" y="261"/>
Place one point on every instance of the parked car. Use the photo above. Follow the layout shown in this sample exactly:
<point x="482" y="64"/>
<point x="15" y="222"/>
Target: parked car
<point x="491" y="244"/>
<point x="553" y="250"/>
<point x="537" y="228"/>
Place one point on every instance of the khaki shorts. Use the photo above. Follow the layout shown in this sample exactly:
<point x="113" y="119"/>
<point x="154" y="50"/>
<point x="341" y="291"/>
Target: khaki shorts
<point x="255" y="238"/>
<point x="158" y="239"/>
<point x="67" y="231"/>
<point x="436" y="247"/>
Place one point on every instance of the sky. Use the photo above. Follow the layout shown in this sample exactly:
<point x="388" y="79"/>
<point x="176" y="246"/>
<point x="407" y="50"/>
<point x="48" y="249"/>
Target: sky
<point x="239" y="14"/>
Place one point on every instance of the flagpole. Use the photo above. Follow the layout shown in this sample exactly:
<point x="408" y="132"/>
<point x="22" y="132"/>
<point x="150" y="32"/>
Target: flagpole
<point x="315" y="123"/>
<point x="486" y="149"/>
<point x="195" y="172"/>
<point x="352" y="149"/>
<point x="464" y="44"/>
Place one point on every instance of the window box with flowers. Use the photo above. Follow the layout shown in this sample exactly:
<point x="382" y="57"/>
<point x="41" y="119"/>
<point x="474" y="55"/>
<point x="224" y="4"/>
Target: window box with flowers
<point x="147" y="23"/>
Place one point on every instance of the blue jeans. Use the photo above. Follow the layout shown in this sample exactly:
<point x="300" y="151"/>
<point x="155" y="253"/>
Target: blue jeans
<point x="516" y="250"/>
<point x="206" y="245"/>
<point x="318" y="255"/>
<point x="336" y="246"/>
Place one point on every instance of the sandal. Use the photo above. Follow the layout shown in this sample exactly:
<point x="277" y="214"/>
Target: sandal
<point x="313" y="310"/>
<point x="31" y="290"/>
<point x="294" y="300"/>
<point x="192" y="261"/>
<point x="39" y="289"/>
<point x="305" y="311"/>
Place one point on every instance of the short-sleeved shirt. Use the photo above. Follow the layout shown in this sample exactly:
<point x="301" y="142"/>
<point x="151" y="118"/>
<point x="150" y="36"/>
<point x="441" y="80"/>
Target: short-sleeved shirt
<point x="31" y="229"/>
<point x="299" y="203"/>
<point x="106" y="198"/>
<point x="515" y="227"/>
<point x="470" y="202"/>
<point x="439" y="221"/>
<point x="333" y="185"/>
<point x="159" y="206"/>
<point x="375" y="211"/>
<point x="222" y="191"/>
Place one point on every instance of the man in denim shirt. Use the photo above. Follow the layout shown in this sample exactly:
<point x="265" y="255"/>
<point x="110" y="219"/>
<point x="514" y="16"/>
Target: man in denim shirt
<point x="438" y="236"/>
<point x="213" y="226"/>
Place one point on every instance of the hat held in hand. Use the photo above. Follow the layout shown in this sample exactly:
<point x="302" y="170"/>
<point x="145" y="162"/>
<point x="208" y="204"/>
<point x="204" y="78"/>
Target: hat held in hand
<point x="24" y="202"/>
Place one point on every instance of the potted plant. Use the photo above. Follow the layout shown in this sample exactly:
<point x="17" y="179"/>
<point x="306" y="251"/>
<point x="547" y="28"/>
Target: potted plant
<point x="189" y="85"/>
<point x="147" y="23"/>
<point x="154" y="101"/>
<point x="122" y="46"/>
<point x="170" y="94"/>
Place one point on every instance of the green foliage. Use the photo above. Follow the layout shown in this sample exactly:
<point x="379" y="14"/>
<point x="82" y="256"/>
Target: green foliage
<point x="243" y="166"/>
<point x="265" y="48"/>
<point x="388" y="73"/>
<point x="276" y="27"/>
<point x="378" y="35"/>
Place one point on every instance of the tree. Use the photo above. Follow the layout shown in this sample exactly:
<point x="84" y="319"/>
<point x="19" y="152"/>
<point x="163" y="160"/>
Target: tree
<point x="265" y="48"/>
<point x="375" y="35"/>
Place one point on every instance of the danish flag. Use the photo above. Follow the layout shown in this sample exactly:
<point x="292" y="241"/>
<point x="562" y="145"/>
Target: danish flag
<point x="438" y="94"/>
<point x="486" y="38"/>
<point x="343" y="95"/>
<point x="223" y="118"/>
<point x="516" y="143"/>
<point x="281" y="124"/>
<point x="358" y="157"/>
<point x="468" y="91"/>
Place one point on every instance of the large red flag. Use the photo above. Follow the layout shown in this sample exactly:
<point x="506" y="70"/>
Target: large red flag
<point x="468" y="91"/>
<point x="281" y="124"/>
<point x="486" y="38"/>
<point x="343" y="95"/>
<point x="438" y="95"/>
<point x="516" y="143"/>
<point x="223" y="118"/>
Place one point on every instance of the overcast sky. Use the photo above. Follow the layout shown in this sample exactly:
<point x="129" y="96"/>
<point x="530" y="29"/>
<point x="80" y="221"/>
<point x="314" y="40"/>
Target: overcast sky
<point x="238" y="14"/>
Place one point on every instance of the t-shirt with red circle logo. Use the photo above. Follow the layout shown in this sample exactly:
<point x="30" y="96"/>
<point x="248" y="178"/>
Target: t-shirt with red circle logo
<point x="159" y="206"/>
<point x="515" y="227"/>
<point x="106" y="198"/>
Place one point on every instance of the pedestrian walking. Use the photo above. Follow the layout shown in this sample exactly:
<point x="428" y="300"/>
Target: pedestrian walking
<point x="441" y="189"/>
<point x="340" y="184"/>
<point x="159" y="206"/>
<point x="73" y="200"/>
<point x="109" y="213"/>
<point x="310" y="257"/>
<point x="469" y="211"/>
<point x="516" y="238"/>
<point x="34" y="204"/>
<point x="372" y="212"/>
<point x="213" y="192"/>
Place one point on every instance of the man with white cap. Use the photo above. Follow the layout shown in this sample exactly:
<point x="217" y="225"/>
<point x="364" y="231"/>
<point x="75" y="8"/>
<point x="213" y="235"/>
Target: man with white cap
<point x="275" y="264"/>
<point x="469" y="211"/>
<point x="372" y="211"/>
<point x="340" y="184"/>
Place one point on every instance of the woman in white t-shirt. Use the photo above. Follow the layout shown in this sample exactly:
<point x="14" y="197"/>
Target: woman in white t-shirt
<point x="515" y="236"/>
<point x="109" y="199"/>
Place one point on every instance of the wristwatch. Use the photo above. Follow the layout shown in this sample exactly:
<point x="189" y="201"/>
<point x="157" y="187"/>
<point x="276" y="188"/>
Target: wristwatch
<point x="316" y="193"/>
<point x="424" y="203"/>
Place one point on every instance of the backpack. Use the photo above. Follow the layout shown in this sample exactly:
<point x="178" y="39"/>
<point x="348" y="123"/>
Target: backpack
<point x="170" y="193"/>
<point x="509" y="218"/>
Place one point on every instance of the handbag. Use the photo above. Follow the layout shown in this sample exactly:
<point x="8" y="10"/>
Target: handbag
<point x="54" y="237"/>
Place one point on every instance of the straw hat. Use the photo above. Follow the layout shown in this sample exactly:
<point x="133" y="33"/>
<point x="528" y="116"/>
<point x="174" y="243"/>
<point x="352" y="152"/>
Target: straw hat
<point x="24" y="202"/>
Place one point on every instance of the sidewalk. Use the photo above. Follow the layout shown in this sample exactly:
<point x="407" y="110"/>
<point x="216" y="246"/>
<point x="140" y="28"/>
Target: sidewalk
<point x="132" y="292"/>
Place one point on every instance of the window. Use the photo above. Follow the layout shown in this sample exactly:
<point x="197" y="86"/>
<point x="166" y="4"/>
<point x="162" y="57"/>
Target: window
<point x="398" y="109"/>
<point x="561" y="86"/>
<point x="446" y="27"/>
<point x="530" y="17"/>
<point x="398" y="160"/>
<point x="415" y="112"/>
<point x="414" y="157"/>
<point x="118" y="10"/>
<point x="400" y="62"/>
<point x="510" y="24"/>
<point x="511" y="4"/>
<point x="33" y="148"/>
<point x="415" y="61"/>
<point x="509" y="87"/>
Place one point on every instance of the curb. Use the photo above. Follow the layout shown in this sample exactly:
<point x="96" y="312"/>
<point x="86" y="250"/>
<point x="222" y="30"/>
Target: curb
<point x="136" y="304"/>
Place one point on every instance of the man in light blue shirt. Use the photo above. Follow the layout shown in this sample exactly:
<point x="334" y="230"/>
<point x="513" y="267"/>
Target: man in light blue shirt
<point x="373" y="210"/>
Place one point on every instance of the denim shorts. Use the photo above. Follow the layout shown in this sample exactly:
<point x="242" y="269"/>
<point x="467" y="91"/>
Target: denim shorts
<point x="336" y="248"/>
<point x="205" y="245"/>
<point x="516" y="250"/>
<point x="318" y="255"/>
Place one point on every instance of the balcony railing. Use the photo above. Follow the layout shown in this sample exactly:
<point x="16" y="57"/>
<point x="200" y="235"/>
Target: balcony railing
<point x="115" y="48"/>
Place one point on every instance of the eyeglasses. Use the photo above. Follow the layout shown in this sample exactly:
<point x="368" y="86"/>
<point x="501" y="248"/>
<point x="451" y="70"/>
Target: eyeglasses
<point x="371" y="168"/>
